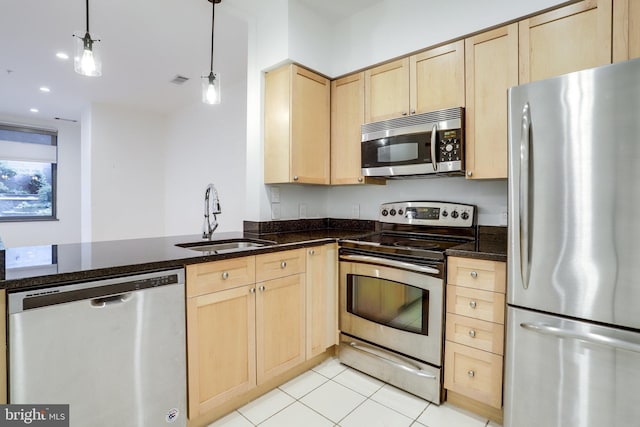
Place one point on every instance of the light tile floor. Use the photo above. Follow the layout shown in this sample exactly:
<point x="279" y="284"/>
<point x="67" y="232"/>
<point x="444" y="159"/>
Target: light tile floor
<point x="332" y="394"/>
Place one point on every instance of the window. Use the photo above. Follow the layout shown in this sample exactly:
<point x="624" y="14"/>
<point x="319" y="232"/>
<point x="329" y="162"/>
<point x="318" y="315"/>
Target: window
<point x="28" y="162"/>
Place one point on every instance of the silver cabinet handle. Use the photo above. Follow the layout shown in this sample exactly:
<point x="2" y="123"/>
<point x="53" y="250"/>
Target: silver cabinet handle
<point x="295" y="177"/>
<point x="473" y="304"/>
<point x="413" y="111"/>
<point x="283" y="264"/>
<point x="474" y="274"/>
<point x="434" y="134"/>
<point x="405" y="367"/>
<point x="360" y="179"/>
<point x="523" y="201"/>
<point x="589" y="337"/>
<point x="252" y="290"/>
<point x="472" y="333"/>
<point x="312" y="252"/>
<point x="471" y="374"/>
<point x="404" y="113"/>
<point x="262" y="288"/>
<point x="469" y="173"/>
<point x="225" y="275"/>
<point x="391" y="263"/>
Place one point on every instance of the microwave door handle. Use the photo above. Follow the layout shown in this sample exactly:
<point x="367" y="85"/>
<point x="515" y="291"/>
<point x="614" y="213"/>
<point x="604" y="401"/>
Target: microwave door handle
<point x="434" y="134"/>
<point x="524" y="196"/>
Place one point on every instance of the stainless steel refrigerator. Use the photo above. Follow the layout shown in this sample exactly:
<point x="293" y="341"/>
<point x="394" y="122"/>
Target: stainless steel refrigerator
<point x="573" y="331"/>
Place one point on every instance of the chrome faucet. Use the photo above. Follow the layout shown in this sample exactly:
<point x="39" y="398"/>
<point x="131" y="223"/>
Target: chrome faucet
<point x="211" y="207"/>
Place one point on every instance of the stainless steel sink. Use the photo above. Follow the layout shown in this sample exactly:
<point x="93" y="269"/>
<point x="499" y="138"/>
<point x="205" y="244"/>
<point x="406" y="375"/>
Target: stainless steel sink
<point x="225" y="246"/>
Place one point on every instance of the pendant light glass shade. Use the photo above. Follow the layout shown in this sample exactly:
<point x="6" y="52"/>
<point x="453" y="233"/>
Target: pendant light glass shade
<point x="86" y="59"/>
<point x="211" y="88"/>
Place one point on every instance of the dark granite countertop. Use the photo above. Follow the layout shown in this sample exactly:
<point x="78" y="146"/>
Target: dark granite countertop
<point x="52" y="265"/>
<point x="491" y="244"/>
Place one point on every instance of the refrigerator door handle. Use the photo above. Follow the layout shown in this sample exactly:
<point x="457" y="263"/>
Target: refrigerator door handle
<point x="434" y="135"/>
<point x="524" y="195"/>
<point x="589" y="337"/>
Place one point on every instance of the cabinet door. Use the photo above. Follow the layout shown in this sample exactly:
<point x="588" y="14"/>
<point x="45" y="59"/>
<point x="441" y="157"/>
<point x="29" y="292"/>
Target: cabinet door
<point x="310" y="127"/>
<point x="220" y="347"/>
<point x="386" y="91"/>
<point x="280" y="325"/>
<point x="568" y="39"/>
<point x="437" y="78"/>
<point x="626" y="30"/>
<point x="491" y="62"/>
<point x="347" y="115"/>
<point x="322" y="303"/>
<point x="277" y="125"/>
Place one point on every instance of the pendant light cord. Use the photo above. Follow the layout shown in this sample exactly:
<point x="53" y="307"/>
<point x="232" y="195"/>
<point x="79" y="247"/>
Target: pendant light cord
<point x="213" y="17"/>
<point x="87" y="16"/>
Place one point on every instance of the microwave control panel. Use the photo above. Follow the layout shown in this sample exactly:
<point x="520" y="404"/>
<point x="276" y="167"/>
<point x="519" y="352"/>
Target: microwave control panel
<point x="450" y="148"/>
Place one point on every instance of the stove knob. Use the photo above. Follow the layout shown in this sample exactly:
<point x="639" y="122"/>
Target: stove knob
<point x="400" y="211"/>
<point x="385" y="212"/>
<point x="392" y="212"/>
<point x="465" y="215"/>
<point x="445" y="214"/>
<point x="454" y="214"/>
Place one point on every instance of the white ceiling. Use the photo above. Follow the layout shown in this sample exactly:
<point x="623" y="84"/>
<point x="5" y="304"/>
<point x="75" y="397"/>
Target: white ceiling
<point x="145" y="43"/>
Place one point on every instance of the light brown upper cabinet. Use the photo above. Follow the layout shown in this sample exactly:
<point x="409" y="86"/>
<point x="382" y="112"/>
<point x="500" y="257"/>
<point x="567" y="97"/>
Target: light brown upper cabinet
<point x="571" y="38"/>
<point x="491" y="62"/>
<point x="347" y="115"/>
<point x="428" y="81"/>
<point x="296" y="126"/>
<point x="626" y="30"/>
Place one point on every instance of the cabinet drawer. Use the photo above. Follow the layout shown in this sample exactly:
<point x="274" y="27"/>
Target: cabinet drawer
<point x="477" y="273"/>
<point x="480" y="334"/>
<point x="280" y="264"/>
<point x="483" y="305"/>
<point x="220" y="275"/>
<point x="474" y="373"/>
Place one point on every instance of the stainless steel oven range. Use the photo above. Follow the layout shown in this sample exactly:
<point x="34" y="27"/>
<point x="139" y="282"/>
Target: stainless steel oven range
<point x="392" y="293"/>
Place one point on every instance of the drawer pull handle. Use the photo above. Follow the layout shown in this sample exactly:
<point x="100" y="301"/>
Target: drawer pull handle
<point x="312" y="252"/>
<point x="472" y="333"/>
<point x="471" y="374"/>
<point x="262" y="288"/>
<point x="473" y="304"/>
<point x="225" y="275"/>
<point x="283" y="264"/>
<point x="474" y="274"/>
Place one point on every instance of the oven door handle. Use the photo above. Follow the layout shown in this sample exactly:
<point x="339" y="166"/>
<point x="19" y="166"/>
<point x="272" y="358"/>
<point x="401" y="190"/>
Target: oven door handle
<point x="405" y="367"/>
<point x="391" y="263"/>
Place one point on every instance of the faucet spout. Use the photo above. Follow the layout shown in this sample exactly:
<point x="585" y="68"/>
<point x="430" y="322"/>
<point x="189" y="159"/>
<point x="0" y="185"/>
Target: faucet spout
<point x="211" y="208"/>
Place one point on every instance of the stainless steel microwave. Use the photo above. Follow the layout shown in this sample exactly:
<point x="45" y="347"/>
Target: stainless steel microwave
<point x="415" y="145"/>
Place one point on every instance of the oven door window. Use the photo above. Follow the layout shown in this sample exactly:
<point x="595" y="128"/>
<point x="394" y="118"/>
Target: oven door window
<point x="388" y="303"/>
<point x="397" y="150"/>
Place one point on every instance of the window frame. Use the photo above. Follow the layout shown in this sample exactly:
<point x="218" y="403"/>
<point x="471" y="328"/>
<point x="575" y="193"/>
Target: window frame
<point x="54" y="171"/>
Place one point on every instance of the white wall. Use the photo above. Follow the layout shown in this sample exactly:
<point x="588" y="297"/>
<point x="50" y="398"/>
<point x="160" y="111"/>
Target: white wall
<point x="206" y="143"/>
<point x="127" y="173"/>
<point x="67" y="228"/>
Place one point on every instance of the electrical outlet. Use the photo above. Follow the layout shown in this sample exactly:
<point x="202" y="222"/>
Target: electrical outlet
<point x="302" y="210"/>
<point x="275" y="194"/>
<point x="275" y="210"/>
<point x="504" y="218"/>
<point x="355" y="211"/>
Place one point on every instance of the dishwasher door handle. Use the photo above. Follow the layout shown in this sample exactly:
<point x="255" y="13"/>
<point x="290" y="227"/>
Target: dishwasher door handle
<point x="111" y="300"/>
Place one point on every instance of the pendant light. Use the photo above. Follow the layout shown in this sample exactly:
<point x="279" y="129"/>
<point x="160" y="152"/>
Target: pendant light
<point x="86" y="60"/>
<point x="211" y="82"/>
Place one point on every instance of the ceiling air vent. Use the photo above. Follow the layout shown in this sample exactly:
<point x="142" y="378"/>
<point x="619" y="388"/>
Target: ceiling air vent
<point x="178" y="79"/>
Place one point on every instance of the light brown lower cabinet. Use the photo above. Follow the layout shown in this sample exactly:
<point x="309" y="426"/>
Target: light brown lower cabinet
<point x="254" y="318"/>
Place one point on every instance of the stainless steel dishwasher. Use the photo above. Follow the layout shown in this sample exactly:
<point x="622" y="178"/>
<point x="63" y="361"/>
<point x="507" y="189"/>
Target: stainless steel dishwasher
<point x="113" y="349"/>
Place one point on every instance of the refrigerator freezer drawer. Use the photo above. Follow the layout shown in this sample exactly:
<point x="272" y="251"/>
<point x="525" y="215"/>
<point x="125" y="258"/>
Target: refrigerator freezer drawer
<point x="562" y="372"/>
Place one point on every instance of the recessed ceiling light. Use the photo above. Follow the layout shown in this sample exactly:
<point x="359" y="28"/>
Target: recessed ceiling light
<point x="33" y="110"/>
<point x="62" y="55"/>
<point x="44" y="89"/>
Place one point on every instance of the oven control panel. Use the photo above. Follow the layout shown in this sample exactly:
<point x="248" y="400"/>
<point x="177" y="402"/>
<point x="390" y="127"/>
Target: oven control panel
<point x="442" y="214"/>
